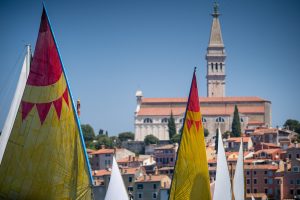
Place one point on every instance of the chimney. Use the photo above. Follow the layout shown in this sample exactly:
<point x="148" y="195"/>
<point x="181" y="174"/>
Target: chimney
<point x="156" y="171"/>
<point x="78" y="107"/>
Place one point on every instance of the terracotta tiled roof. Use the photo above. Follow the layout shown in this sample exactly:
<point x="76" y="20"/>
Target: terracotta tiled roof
<point x="101" y="172"/>
<point x="218" y="110"/>
<point x="131" y="159"/>
<point x="168" y="146"/>
<point x="89" y="150"/>
<point x="203" y="99"/>
<point x="268" y="151"/>
<point x="103" y="151"/>
<point x="262" y="131"/>
<point x="152" y="178"/>
<point x="131" y="170"/>
<point x="268" y="166"/>
<point x="238" y="139"/>
<point x="161" y="111"/>
<point x="270" y="145"/>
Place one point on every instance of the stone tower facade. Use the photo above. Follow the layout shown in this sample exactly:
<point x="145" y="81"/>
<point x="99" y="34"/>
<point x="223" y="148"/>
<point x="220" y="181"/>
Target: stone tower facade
<point x="215" y="58"/>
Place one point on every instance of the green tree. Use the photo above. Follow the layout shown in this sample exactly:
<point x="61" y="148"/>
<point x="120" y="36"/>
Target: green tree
<point x="101" y="132"/>
<point x="236" y="123"/>
<point x="150" y="139"/>
<point x="103" y="140"/>
<point x="125" y="136"/>
<point x="206" y="132"/>
<point x="180" y="130"/>
<point x="88" y="132"/>
<point x="293" y="125"/>
<point x="116" y="142"/>
<point x="171" y="126"/>
<point x="176" y="138"/>
<point x="226" y="134"/>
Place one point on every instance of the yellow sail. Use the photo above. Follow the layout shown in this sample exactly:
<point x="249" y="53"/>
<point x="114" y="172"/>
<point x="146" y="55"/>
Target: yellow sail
<point x="191" y="178"/>
<point x="45" y="157"/>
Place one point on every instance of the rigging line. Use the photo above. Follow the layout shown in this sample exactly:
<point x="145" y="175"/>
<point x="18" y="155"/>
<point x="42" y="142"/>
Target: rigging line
<point x="8" y="85"/>
<point x="16" y="67"/>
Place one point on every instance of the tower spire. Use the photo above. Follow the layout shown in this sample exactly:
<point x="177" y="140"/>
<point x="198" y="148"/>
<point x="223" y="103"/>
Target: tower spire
<point x="215" y="58"/>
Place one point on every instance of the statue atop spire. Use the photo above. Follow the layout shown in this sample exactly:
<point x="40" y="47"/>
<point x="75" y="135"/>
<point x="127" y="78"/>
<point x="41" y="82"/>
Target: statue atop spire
<point x="216" y="10"/>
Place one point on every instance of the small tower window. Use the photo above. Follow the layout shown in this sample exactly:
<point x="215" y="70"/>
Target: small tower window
<point x="220" y="119"/>
<point x="212" y="66"/>
<point x="148" y="120"/>
<point x="164" y="120"/>
<point x="216" y="66"/>
<point x="203" y="119"/>
<point x="221" y="67"/>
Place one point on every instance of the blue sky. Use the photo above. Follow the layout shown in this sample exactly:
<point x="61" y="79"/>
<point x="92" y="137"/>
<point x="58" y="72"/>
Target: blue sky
<point x="111" y="48"/>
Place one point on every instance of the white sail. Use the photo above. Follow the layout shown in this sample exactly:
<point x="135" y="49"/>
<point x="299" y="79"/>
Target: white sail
<point x="116" y="188"/>
<point x="222" y="188"/>
<point x="238" y="181"/>
<point x="12" y="113"/>
<point x="252" y="198"/>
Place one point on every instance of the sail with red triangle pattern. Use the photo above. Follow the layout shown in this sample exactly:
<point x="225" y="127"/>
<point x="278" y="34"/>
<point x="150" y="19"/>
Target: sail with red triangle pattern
<point x="45" y="156"/>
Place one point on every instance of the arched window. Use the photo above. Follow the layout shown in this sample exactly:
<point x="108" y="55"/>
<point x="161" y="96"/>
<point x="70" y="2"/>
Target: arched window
<point x="220" y="119"/>
<point x="221" y="66"/>
<point x="203" y="119"/>
<point x="181" y="120"/>
<point x="164" y="120"/>
<point x="216" y="66"/>
<point x="148" y="120"/>
<point x="212" y="66"/>
<point x="242" y="119"/>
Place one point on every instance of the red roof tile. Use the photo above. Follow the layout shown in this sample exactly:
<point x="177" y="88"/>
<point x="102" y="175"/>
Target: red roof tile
<point x="238" y="139"/>
<point x="218" y="110"/>
<point x="204" y="99"/>
<point x="103" y="151"/>
<point x="101" y="172"/>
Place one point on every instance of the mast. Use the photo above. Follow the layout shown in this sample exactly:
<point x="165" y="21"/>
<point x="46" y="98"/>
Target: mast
<point x="28" y="56"/>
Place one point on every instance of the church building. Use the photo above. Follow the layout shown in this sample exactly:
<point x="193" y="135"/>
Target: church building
<point x="152" y="114"/>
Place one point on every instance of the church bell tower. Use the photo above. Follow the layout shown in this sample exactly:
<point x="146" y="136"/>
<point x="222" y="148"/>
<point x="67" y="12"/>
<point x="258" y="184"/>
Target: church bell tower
<point x="215" y="58"/>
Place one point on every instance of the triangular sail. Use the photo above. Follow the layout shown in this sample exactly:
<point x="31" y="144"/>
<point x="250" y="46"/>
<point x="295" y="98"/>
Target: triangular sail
<point x="191" y="178"/>
<point x="12" y="113"/>
<point x="45" y="156"/>
<point x="238" y="181"/>
<point x="222" y="188"/>
<point x="116" y="188"/>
